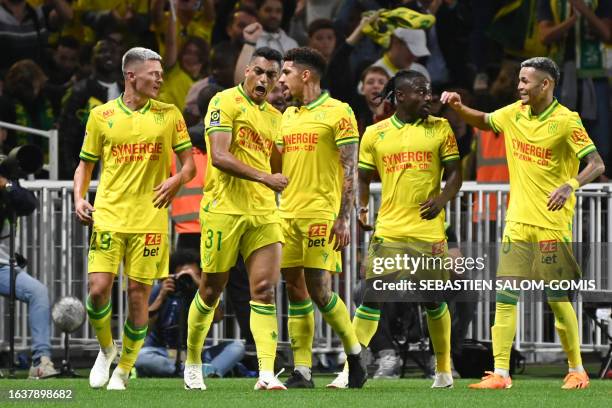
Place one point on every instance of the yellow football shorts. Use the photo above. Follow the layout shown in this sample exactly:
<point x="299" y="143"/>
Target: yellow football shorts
<point x="224" y="235"/>
<point x="307" y="245"/>
<point x="144" y="255"/>
<point x="537" y="253"/>
<point x="406" y="258"/>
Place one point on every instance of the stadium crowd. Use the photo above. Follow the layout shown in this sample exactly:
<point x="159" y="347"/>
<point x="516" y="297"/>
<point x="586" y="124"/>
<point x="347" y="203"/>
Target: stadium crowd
<point x="62" y="58"/>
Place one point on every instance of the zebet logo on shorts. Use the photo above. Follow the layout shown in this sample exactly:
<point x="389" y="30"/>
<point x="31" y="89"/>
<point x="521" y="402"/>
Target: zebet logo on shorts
<point x="315" y="232"/>
<point x="152" y="240"/>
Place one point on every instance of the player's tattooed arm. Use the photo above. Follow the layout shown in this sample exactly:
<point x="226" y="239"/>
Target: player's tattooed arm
<point x="348" y="160"/>
<point x="594" y="167"/>
<point x="340" y="230"/>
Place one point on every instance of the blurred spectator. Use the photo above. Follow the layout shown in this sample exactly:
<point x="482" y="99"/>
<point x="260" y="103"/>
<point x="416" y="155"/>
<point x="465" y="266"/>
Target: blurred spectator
<point x="182" y="68"/>
<point x="24" y="30"/>
<point x="130" y="18"/>
<point x="407" y="45"/>
<point x="168" y="309"/>
<point x="453" y="27"/>
<point x="502" y="91"/>
<point x="276" y="98"/>
<point x="61" y="66"/>
<point x="240" y="18"/>
<point x="194" y="18"/>
<point x="308" y="11"/>
<point x="222" y="62"/>
<point x="575" y="32"/>
<point x="342" y="73"/>
<point x="100" y="87"/>
<point x="25" y="104"/>
<point x="368" y="106"/>
<point x="27" y="288"/>
<point x="322" y="37"/>
<point x="270" y="16"/>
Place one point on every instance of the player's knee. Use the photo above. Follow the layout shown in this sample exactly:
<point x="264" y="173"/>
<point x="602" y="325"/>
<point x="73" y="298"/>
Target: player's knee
<point x="263" y="291"/>
<point x="296" y="293"/>
<point x="321" y="296"/>
<point x="210" y="294"/>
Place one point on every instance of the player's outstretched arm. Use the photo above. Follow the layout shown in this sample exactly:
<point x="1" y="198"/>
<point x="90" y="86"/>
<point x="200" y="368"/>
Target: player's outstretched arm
<point x="340" y="230"/>
<point x="82" y="178"/>
<point x="594" y="167"/>
<point x="363" y="187"/>
<point x="432" y="207"/>
<point x="165" y="192"/>
<point x="473" y="117"/>
<point x="222" y="159"/>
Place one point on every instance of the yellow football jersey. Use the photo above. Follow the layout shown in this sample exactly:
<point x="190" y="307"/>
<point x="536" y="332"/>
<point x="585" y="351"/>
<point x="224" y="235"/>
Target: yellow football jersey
<point x="409" y="158"/>
<point x="254" y="129"/>
<point x="310" y="137"/>
<point x="543" y="152"/>
<point x="136" y="152"/>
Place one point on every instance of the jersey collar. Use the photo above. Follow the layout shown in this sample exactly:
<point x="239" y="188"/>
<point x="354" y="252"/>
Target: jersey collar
<point x="249" y="100"/>
<point x="128" y="111"/>
<point x="317" y="102"/>
<point x="397" y="122"/>
<point x="546" y="113"/>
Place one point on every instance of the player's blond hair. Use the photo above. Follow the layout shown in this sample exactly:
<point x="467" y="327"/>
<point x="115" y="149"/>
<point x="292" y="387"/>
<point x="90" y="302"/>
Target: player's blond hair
<point x="138" y="54"/>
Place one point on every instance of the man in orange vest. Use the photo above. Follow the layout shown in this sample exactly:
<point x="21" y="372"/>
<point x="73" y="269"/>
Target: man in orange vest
<point x="491" y="167"/>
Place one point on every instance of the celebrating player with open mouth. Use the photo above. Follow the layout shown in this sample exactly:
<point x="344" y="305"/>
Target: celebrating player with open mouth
<point x="239" y="213"/>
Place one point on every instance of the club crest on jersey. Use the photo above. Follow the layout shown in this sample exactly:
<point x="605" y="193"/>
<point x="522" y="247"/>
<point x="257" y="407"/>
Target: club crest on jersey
<point x="429" y="133"/>
<point x="215" y="118"/>
<point x="159" y="118"/>
<point x="553" y="127"/>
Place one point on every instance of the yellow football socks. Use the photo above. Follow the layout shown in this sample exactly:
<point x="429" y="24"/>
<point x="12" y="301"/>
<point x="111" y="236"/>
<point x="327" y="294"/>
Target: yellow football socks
<point x="264" y="328"/>
<point x="301" y="332"/>
<point x="133" y="338"/>
<point x="439" y="325"/>
<point x="100" y="321"/>
<point x="199" y="321"/>
<point x="337" y="316"/>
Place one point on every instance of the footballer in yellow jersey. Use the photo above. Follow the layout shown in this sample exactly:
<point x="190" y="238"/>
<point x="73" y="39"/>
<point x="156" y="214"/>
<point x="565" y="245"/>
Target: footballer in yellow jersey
<point x="133" y="137"/>
<point x="410" y="151"/>
<point x="319" y="144"/>
<point x="239" y="214"/>
<point x="544" y="143"/>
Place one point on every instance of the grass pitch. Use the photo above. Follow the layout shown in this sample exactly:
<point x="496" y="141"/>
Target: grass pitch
<point x="238" y="393"/>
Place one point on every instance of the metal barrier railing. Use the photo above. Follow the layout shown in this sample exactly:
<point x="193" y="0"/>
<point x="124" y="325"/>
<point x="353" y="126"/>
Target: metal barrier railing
<point x="56" y="247"/>
<point x="52" y="135"/>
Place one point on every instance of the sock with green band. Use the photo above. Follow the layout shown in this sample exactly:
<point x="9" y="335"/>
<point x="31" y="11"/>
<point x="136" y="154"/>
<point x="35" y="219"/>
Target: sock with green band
<point x="133" y="338"/>
<point x="504" y="329"/>
<point x="100" y="320"/>
<point x="439" y="326"/>
<point x="566" y="324"/>
<point x="300" y="325"/>
<point x="199" y="321"/>
<point x="365" y="323"/>
<point x="337" y="316"/>
<point x="264" y="328"/>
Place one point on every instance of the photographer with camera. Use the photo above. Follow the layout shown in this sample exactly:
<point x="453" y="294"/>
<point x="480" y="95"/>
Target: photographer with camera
<point x="16" y="201"/>
<point x="168" y="309"/>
